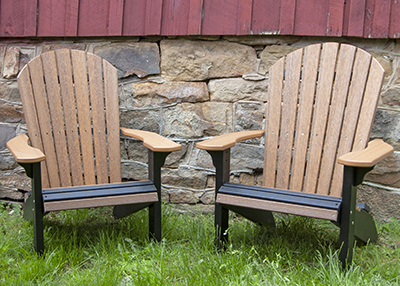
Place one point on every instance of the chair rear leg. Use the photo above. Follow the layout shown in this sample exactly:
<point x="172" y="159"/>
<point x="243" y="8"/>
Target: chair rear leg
<point x="221" y="224"/>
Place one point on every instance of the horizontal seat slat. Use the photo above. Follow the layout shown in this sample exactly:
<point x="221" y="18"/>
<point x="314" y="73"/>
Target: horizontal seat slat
<point x="96" y="191"/>
<point x="285" y="196"/>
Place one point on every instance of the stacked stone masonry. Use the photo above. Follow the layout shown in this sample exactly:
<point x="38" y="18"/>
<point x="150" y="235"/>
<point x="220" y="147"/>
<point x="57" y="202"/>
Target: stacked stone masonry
<point x="190" y="89"/>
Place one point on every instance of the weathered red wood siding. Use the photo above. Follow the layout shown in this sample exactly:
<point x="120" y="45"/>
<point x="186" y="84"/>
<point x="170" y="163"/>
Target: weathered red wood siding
<point x="75" y="18"/>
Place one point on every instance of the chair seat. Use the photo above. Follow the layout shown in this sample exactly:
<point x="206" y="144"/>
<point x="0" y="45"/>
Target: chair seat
<point x="284" y="201"/>
<point x="99" y="195"/>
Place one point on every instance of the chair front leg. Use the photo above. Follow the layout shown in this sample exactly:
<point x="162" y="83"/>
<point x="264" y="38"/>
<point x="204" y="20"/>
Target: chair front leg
<point x="352" y="178"/>
<point x="221" y="161"/>
<point x="156" y="161"/>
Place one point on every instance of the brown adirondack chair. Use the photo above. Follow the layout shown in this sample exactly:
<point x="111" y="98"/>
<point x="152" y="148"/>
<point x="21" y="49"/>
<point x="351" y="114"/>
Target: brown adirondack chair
<point x="320" y="111"/>
<point x="71" y="107"/>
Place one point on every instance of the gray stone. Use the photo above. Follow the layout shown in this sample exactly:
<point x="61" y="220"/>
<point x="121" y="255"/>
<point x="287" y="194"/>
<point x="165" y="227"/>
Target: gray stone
<point x="386" y="126"/>
<point x="148" y="120"/>
<point x="175" y="158"/>
<point x="201" y="158"/>
<point x="58" y="46"/>
<point x="141" y="59"/>
<point x="384" y="204"/>
<point x="135" y="150"/>
<point x="9" y="91"/>
<point x="262" y="40"/>
<point x="208" y="198"/>
<point x="185" y="178"/>
<point x="11" y="113"/>
<point x="149" y="93"/>
<point x="386" y="172"/>
<point x="133" y="170"/>
<point x="271" y="54"/>
<point x="248" y="116"/>
<point x="188" y="120"/>
<point x="391" y="96"/>
<point x="11" y="63"/>
<point x="235" y="89"/>
<point x="247" y="157"/>
<point x="7" y="132"/>
<point x="7" y="161"/>
<point x="183" y="197"/>
<point x="201" y="60"/>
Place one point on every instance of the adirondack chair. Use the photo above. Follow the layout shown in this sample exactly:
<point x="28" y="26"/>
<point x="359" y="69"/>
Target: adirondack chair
<point x="71" y="106"/>
<point x="320" y="110"/>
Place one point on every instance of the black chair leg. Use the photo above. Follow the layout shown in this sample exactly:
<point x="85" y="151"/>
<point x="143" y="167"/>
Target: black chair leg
<point x="37" y="209"/>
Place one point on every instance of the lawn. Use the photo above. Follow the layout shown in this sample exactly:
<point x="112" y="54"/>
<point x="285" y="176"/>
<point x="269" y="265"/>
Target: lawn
<point x="89" y="247"/>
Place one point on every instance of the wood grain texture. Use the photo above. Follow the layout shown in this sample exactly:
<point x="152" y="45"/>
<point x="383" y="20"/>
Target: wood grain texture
<point x="265" y="16"/>
<point x="290" y="95"/>
<point x="244" y="17"/>
<point x="32" y="122"/>
<point x="375" y="151"/>
<point x="381" y="21"/>
<point x="115" y="17"/>
<point x="277" y="207"/>
<point x="306" y="101"/>
<point x="223" y="142"/>
<point x="93" y="18"/>
<point x="273" y="116"/>
<point x="71" y="18"/>
<point x="151" y="140"/>
<point x="286" y="21"/>
<point x="153" y="14"/>
<point x="220" y="17"/>
<point x="52" y="18"/>
<point x="322" y="102"/>
<point x="195" y="17"/>
<point x="97" y="103"/>
<point x="311" y="17"/>
<point x="134" y="18"/>
<point x="112" y="116"/>
<point x="335" y="18"/>
<point x="101" y="202"/>
<point x="22" y="152"/>
<point x="355" y="19"/>
<point x="71" y="132"/>
<point x="83" y="113"/>
<point x="175" y="17"/>
<point x="394" y="25"/>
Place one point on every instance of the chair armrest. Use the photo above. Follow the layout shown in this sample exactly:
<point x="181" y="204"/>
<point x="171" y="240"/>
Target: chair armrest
<point x="24" y="153"/>
<point x="151" y="140"/>
<point x="376" y="151"/>
<point x="228" y="140"/>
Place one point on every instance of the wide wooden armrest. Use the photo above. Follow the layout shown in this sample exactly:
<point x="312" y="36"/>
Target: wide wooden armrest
<point x="24" y="153"/>
<point x="151" y="140"/>
<point x="228" y="140"/>
<point x="376" y="151"/>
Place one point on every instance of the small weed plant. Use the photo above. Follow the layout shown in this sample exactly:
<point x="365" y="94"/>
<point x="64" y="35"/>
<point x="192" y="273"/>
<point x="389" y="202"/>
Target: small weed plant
<point x="90" y="247"/>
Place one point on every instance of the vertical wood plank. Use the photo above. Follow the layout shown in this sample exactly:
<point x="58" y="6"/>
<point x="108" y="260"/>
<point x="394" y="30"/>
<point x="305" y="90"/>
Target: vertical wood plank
<point x="112" y="116"/>
<point x="354" y="100"/>
<point x="306" y="101"/>
<point x="56" y="114"/>
<point x="97" y="103"/>
<point x="134" y="18"/>
<point x="287" y="20"/>
<point x="266" y="15"/>
<point x="335" y="19"/>
<point x="69" y="111"/>
<point x="245" y="8"/>
<point x="52" y="19"/>
<point x="322" y="101"/>
<point x="273" y="119"/>
<point x="93" y="17"/>
<point x="394" y="26"/>
<point x="30" y="16"/>
<point x="311" y="18"/>
<point x="369" y="17"/>
<point x="175" y="17"/>
<point x="32" y="122"/>
<point x="116" y="12"/>
<point x="336" y="114"/>
<point x="71" y="18"/>
<point x="195" y="17"/>
<point x="83" y="106"/>
<point x="39" y="92"/>
<point x="368" y="108"/>
<point x="381" y="20"/>
<point x="220" y="17"/>
<point x="152" y="20"/>
<point x="288" y="117"/>
<point x="356" y="18"/>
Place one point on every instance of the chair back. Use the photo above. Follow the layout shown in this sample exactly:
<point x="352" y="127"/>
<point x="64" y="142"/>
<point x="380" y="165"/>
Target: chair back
<point x="71" y="107"/>
<point x="321" y="105"/>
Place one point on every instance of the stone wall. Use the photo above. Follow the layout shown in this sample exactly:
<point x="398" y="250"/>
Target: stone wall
<point x="190" y="89"/>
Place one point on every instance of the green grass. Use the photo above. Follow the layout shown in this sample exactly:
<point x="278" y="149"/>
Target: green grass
<point x="89" y="247"/>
